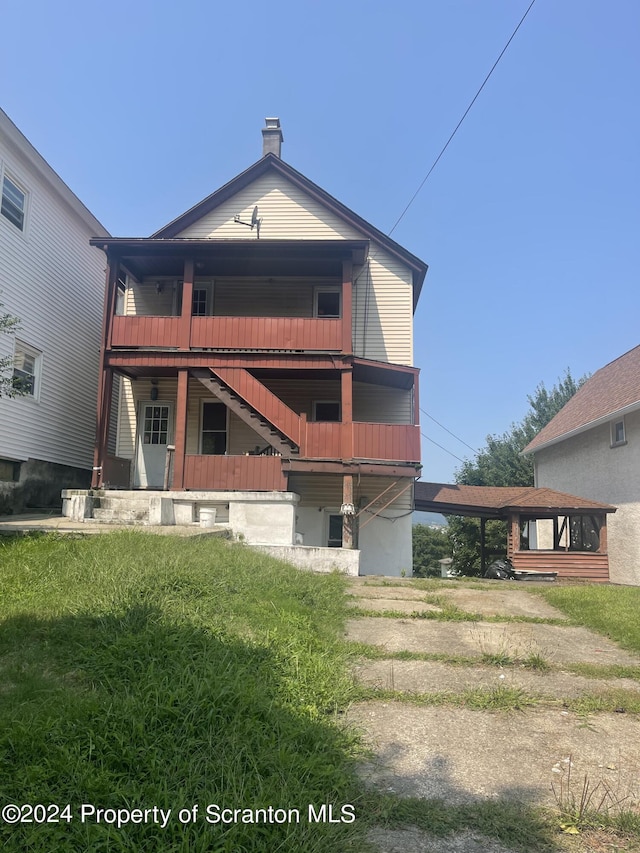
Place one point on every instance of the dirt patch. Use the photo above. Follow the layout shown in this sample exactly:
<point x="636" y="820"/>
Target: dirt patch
<point x="417" y="676"/>
<point x="462" y="756"/>
<point x="417" y="841"/>
<point x="473" y="639"/>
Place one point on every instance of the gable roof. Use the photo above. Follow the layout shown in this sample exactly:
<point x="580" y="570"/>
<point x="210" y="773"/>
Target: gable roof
<point x="612" y="391"/>
<point x="497" y="501"/>
<point x="270" y="162"/>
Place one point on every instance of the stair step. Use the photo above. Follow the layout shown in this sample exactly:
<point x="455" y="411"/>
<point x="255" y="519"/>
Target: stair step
<point x="121" y="516"/>
<point x="123" y="504"/>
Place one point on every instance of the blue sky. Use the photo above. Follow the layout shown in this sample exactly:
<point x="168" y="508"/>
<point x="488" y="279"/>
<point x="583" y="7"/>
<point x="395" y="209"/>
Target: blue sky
<point x="529" y="223"/>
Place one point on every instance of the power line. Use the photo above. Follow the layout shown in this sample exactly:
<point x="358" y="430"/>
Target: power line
<point x="442" y="448"/>
<point x="446" y="145"/>
<point x="457" y="437"/>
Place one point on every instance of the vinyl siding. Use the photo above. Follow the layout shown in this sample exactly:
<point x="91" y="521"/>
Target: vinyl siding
<point x="381" y="404"/>
<point x="325" y="490"/>
<point x="54" y="282"/>
<point x="383" y="296"/>
<point x="143" y="299"/>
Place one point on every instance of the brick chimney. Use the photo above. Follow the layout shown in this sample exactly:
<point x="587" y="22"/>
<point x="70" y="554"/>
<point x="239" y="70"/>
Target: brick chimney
<point x="272" y="138"/>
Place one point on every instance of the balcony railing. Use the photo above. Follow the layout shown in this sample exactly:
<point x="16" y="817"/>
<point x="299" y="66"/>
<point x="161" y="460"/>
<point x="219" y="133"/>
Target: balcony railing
<point x="254" y="473"/>
<point x="264" y="333"/>
<point x="388" y="442"/>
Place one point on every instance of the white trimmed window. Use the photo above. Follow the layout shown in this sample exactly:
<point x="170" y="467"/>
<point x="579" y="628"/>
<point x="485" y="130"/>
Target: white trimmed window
<point x="14" y="202"/>
<point x="618" y="433"/>
<point x="27" y="363"/>
<point x="327" y="302"/>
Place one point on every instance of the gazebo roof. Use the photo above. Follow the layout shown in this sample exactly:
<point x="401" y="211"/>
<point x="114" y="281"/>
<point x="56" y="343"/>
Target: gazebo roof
<point x="500" y="501"/>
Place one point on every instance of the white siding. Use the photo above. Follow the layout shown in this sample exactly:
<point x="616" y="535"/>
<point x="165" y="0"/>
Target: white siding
<point x="54" y="282"/>
<point x="383" y="294"/>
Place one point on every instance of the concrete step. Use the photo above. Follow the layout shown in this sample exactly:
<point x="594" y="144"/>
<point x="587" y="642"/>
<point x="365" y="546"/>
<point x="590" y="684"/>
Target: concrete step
<point x="121" y="516"/>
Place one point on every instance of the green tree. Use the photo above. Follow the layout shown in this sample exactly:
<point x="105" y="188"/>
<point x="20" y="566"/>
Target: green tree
<point x="430" y="544"/>
<point x="499" y="463"/>
<point x="8" y="388"/>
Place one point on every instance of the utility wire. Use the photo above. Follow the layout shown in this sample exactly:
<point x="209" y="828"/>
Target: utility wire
<point x="442" y="448"/>
<point x="457" y="437"/>
<point x="446" y="145"/>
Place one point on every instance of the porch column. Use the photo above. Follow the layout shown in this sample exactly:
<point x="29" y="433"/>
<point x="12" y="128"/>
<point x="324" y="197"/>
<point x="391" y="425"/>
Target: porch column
<point x="347" y="520"/>
<point x="181" y="430"/>
<point x="513" y="535"/>
<point x="104" y="392"/>
<point x="187" y="306"/>
<point x="346" y="394"/>
<point x="347" y="300"/>
<point x="602" y="547"/>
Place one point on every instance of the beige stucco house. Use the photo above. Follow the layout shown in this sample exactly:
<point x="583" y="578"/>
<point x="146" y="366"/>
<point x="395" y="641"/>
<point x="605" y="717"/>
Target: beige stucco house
<point x="592" y="448"/>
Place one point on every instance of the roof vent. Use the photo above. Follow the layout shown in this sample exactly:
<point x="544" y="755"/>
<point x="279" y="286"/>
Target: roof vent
<point x="272" y="138"/>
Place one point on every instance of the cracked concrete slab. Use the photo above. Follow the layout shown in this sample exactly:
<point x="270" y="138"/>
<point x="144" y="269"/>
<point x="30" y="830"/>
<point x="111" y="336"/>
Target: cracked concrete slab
<point x="395" y="604"/>
<point x="556" y="644"/>
<point x="501" y="602"/>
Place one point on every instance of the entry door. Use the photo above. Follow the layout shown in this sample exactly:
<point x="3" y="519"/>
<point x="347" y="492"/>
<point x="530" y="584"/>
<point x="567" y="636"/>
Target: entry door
<point x="155" y="425"/>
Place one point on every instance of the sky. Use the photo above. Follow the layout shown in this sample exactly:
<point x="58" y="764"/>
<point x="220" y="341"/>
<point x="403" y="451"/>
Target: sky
<point x="529" y="223"/>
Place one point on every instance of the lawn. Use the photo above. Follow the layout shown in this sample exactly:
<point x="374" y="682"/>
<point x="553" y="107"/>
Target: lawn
<point x="142" y="671"/>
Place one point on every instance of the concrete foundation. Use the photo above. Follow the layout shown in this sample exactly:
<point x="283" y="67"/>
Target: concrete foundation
<point x="316" y="559"/>
<point x="38" y="484"/>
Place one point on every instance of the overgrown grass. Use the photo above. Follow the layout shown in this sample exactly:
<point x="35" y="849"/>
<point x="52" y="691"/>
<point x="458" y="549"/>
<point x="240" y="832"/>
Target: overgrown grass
<point x="141" y="671"/>
<point x="609" y="610"/>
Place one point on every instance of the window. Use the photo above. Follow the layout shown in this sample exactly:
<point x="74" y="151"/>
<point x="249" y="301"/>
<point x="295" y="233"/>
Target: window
<point x="26" y="370"/>
<point x="334" y="539"/>
<point x="618" y="435"/>
<point x="14" y="202"/>
<point x="326" y="410"/>
<point x="202" y="301"/>
<point x="327" y="303"/>
<point x="213" y="439"/>
<point x="156" y="425"/>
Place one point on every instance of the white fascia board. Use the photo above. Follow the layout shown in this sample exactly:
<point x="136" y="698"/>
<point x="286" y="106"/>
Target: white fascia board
<point x="605" y="419"/>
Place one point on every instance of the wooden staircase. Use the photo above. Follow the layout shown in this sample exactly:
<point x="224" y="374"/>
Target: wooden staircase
<point x="258" y="407"/>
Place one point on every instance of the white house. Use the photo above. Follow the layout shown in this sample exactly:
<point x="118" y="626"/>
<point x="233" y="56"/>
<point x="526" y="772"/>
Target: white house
<point x="592" y="448"/>
<point x="52" y="280"/>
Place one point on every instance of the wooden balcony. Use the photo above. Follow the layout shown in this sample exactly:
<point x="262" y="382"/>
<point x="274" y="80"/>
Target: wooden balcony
<point x="398" y="442"/>
<point x="251" y="333"/>
<point x="254" y="473"/>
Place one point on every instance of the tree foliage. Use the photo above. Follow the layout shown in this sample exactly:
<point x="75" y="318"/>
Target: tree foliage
<point x="8" y="325"/>
<point x="430" y="544"/>
<point x="499" y="463"/>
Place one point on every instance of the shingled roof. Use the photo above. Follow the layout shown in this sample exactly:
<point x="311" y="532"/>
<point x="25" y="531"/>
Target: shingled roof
<point x="612" y="391"/>
<point x="498" y="501"/>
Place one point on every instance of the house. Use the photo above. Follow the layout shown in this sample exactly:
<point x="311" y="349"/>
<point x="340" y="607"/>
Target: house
<point x="52" y="280"/>
<point x="592" y="448"/>
<point x="261" y="345"/>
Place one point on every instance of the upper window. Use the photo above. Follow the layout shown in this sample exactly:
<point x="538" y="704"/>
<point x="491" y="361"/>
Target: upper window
<point x="14" y="202"/>
<point x="26" y="370"/>
<point x="213" y="437"/>
<point x="326" y="410"/>
<point x="327" y="303"/>
<point x="618" y="434"/>
<point x="202" y="301"/>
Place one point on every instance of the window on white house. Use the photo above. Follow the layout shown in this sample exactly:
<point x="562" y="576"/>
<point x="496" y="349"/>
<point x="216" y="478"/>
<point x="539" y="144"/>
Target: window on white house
<point x="14" y="202"/>
<point x="327" y="303"/>
<point x="26" y="370"/>
<point x="326" y="410"/>
<point x="618" y="434"/>
<point x="334" y="538"/>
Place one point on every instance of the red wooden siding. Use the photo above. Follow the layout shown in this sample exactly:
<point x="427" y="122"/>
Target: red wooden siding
<point x="257" y="473"/>
<point x="262" y="400"/>
<point x="289" y="333"/>
<point x="116" y="472"/>
<point x="396" y="442"/>
<point x="146" y="332"/>
<point x="322" y="441"/>
<point x="568" y="564"/>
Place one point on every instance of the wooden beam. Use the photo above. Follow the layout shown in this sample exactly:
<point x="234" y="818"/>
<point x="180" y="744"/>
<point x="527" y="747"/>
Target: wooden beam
<point x="346" y="395"/>
<point x="347" y="519"/>
<point x="180" y="440"/>
<point x="347" y="307"/>
<point x="187" y="305"/>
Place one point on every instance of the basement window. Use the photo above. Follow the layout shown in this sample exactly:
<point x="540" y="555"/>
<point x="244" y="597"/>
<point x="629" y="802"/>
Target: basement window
<point x="618" y="434"/>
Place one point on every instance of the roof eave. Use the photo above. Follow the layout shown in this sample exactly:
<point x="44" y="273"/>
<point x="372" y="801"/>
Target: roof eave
<point x="618" y="413"/>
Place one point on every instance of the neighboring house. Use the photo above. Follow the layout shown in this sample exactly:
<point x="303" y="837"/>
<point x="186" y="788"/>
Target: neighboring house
<point x="267" y="335"/>
<point x="53" y="281"/>
<point x="592" y="448"/>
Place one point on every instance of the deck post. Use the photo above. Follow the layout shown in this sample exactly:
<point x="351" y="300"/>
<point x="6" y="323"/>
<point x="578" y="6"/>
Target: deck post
<point x="102" y="429"/>
<point x="346" y="394"/>
<point x="181" y="429"/>
<point x="187" y="305"/>
<point x="347" y="517"/>
<point x="347" y="300"/>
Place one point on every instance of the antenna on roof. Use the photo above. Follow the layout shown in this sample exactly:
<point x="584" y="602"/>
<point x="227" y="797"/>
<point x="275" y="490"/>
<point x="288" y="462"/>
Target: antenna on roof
<point x="255" y="221"/>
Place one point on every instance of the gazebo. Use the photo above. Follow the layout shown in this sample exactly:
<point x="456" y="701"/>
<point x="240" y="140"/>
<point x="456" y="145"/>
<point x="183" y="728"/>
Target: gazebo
<point x="547" y="531"/>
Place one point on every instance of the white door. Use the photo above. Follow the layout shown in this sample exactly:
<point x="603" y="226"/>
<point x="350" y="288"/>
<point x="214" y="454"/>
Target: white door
<point x="155" y="425"/>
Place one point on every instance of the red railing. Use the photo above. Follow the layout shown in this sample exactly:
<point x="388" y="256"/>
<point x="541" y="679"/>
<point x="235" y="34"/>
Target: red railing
<point x="288" y="333"/>
<point x="146" y="332"/>
<point x="256" y="473"/>
<point x="321" y="441"/>
<point x="396" y="442"/>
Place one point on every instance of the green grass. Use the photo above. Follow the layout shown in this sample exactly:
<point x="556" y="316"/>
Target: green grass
<point x="141" y="671"/>
<point x="609" y="610"/>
